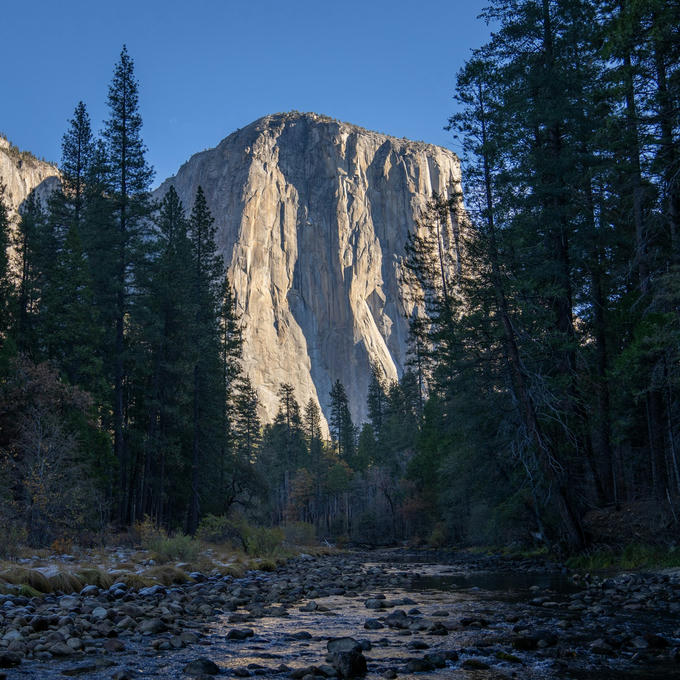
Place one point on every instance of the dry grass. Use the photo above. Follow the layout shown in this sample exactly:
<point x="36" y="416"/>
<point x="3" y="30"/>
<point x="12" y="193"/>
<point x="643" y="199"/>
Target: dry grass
<point x="135" y="581"/>
<point x="28" y="577"/>
<point x="66" y="582"/>
<point x="166" y="575"/>
<point x="95" y="577"/>
<point x="235" y="569"/>
<point x="126" y="566"/>
<point x="92" y="567"/>
<point x="263" y="564"/>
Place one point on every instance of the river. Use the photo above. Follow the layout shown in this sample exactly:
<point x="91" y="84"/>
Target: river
<point x="417" y="615"/>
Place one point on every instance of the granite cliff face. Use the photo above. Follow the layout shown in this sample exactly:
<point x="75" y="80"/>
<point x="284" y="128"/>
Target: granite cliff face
<point x="312" y="217"/>
<point x="21" y="173"/>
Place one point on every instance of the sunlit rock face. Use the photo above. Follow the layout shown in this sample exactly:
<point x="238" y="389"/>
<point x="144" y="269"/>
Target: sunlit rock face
<point x="21" y="173"/>
<point x="312" y="217"/>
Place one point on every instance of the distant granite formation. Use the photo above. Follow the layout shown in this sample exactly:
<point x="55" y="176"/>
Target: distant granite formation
<point x="312" y="217"/>
<point x="21" y="173"/>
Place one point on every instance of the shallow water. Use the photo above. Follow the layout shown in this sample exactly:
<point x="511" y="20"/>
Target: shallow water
<point x="493" y="604"/>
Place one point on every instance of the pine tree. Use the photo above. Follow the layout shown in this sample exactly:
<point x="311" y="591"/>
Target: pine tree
<point x="312" y="430"/>
<point x="31" y="249"/>
<point x="237" y="394"/>
<point x="209" y="394"/>
<point x="69" y="320"/>
<point x="128" y="180"/>
<point x="343" y="431"/>
<point x="377" y="400"/>
<point x="76" y="162"/>
<point x="164" y="349"/>
<point x="247" y="424"/>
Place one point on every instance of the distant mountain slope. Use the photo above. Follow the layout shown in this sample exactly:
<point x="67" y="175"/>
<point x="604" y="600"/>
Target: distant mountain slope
<point x="312" y="218"/>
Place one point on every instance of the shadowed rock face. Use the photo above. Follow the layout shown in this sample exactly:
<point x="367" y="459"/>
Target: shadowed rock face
<point x="312" y="217"/>
<point x="21" y="173"/>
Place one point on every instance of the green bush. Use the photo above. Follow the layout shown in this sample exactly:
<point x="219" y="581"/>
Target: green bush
<point x="263" y="541"/>
<point x="179" y="547"/>
<point x="438" y="537"/>
<point x="12" y="537"/>
<point x="221" y="529"/>
<point x="256" y="541"/>
<point x="300" y="533"/>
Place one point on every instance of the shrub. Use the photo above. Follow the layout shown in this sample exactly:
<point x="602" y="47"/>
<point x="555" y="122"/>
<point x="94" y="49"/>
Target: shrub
<point x="179" y="547"/>
<point x="300" y="533"/>
<point x="263" y="541"/>
<point x="221" y="529"/>
<point x="12" y="536"/>
<point x="438" y="536"/>
<point x="146" y="532"/>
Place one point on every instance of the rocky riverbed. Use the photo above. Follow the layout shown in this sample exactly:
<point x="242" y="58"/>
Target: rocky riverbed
<point x="390" y="614"/>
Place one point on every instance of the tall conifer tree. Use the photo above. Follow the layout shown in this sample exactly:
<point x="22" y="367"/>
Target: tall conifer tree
<point x="128" y="182"/>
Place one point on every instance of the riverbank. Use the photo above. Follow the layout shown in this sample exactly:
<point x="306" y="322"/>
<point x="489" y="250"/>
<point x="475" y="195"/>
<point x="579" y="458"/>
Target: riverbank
<point x="412" y="613"/>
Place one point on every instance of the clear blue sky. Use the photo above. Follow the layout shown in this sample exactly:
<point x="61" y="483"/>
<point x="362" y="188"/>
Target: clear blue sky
<point x="208" y="67"/>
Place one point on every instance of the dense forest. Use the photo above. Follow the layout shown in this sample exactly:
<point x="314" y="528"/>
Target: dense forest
<point x="544" y="368"/>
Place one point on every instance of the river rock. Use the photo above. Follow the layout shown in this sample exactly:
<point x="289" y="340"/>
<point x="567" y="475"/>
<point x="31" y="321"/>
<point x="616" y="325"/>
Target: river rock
<point x="656" y="641"/>
<point x="201" y="666"/>
<point x="151" y="627"/>
<point x="525" y="643"/>
<point x="374" y="603"/>
<point x="345" y="655"/>
<point x="75" y="643"/>
<point x="69" y="602"/>
<point x="343" y="644"/>
<point x="437" y="629"/>
<point x="124" y="674"/>
<point x="418" y="645"/>
<point x="188" y="638"/>
<point x="349" y="664"/>
<point x="61" y="649"/>
<point x="89" y="591"/>
<point x="9" y="659"/>
<point x="150" y="591"/>
<point x="114" y="645"/>
<point x="99" y="613"/>
<point x="40" y="623"/>
<point x="436" y="659"/>
<point x="419" y="666"/>
<point x="12" y="635"/>
<point x="239" y="634"/>
<point x="398" y="619"/>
